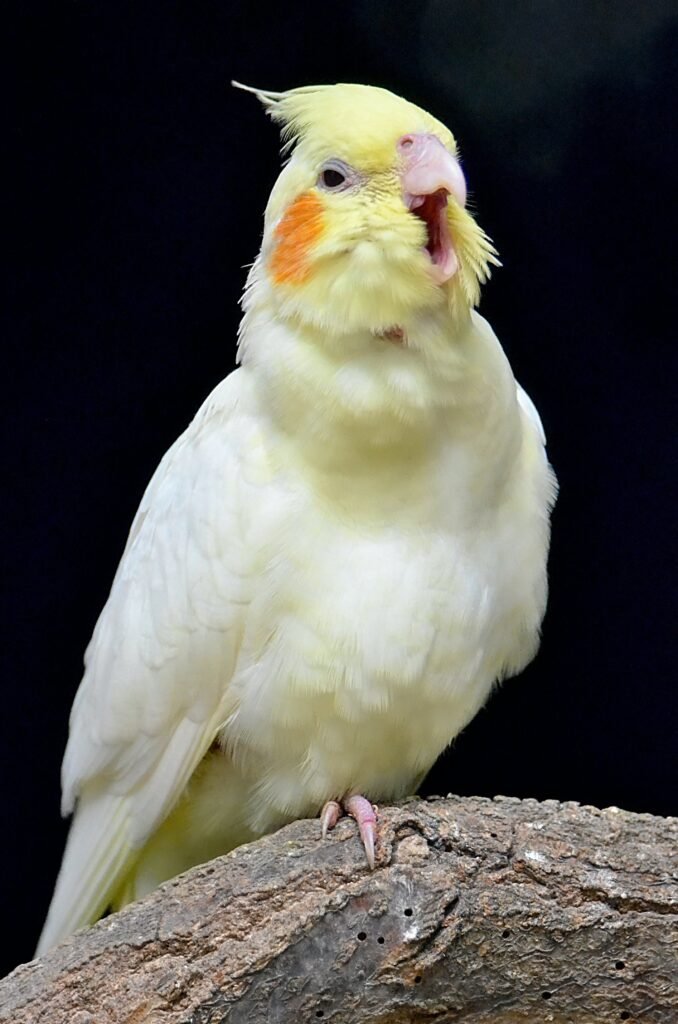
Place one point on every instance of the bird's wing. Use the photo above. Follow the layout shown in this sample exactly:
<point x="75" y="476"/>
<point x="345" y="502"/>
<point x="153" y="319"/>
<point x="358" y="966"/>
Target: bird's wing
<point x="155" y="688"/>
<point x="530" y="410"/>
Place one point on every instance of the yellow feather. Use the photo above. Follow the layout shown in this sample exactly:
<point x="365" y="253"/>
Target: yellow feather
<point x="368" y="268"/>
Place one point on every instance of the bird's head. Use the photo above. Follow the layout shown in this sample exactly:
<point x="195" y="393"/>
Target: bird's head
<point x="367" y="223"/>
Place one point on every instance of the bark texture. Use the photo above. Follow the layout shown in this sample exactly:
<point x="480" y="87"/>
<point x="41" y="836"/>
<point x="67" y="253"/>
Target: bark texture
<point x="478" y="911"/>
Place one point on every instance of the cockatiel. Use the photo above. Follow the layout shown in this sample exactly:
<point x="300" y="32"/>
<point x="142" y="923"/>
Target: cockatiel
<point x="344" y="551"/>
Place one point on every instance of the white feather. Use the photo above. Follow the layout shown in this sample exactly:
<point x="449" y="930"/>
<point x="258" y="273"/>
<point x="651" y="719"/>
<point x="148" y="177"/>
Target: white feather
<point x="530" y="410"/>
<point x="97" y="850"/>
<point x="329" y="588"/>
<point x="158" y="665"/>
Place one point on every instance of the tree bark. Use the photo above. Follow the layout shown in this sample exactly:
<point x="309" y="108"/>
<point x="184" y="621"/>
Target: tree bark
<point x="478" y="911"/>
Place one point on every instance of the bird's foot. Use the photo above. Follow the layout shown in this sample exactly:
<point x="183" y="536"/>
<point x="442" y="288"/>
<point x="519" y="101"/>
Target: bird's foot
<point x="363" y="812"/>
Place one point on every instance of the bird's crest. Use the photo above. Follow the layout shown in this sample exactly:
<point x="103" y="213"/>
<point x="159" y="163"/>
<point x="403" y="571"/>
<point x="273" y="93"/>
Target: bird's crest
<point x="346" y="111"/>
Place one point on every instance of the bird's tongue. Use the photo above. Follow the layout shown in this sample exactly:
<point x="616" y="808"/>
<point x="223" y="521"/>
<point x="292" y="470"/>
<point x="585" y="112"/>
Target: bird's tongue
<point x="429" y="175"/>
<point x="433" y="211"/>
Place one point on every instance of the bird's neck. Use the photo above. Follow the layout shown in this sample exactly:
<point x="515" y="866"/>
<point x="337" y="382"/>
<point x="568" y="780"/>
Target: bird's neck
<point x="362" y="395"/>
<point x="374" y="423"/>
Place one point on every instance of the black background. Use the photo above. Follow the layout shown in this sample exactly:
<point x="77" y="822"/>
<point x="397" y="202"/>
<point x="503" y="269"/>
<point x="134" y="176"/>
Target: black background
<point x="141" y="178"/>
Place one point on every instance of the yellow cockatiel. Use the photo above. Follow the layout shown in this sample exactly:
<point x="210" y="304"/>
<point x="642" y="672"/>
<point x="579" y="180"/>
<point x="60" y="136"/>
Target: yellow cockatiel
<point x="346" y="548"/>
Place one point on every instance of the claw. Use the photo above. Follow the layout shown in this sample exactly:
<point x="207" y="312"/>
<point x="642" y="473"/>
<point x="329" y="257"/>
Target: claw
<point x="363" y="812"/>
<point x="329" y="817"/>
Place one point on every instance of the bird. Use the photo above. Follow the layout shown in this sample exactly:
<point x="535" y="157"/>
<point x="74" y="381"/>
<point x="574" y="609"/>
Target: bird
<point x="344" y="552"/>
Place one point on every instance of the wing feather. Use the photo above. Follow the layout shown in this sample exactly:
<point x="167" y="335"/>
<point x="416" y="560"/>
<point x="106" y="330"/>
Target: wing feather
<point x="155" y="688"/>
<point x="530" y="410"/>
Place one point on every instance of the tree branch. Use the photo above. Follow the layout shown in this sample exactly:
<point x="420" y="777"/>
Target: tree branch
<point x="479" y="911"/>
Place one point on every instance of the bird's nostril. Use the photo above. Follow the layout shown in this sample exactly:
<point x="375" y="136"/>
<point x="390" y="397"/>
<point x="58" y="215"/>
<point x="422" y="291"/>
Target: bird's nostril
<point x="406" y="142"/>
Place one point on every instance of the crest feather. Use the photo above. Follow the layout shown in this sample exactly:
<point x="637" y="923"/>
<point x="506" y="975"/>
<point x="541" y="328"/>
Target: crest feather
<point x="286" y="108"/>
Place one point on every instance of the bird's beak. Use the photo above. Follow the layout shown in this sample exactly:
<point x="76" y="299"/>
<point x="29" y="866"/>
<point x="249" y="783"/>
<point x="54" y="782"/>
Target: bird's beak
<point x="429" y="174"/>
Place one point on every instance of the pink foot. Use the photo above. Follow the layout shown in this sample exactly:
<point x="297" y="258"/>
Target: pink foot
<point x="363" y="812"/>
<point x="330" y="815"/>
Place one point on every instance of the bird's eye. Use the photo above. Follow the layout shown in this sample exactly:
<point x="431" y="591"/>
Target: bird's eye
<point x="332" y="178"/>
<point x="335" y="176"/>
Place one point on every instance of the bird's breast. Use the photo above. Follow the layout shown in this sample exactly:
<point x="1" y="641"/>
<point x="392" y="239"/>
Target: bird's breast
<point x="365" y="652"/>
<point x="374" y="629"/>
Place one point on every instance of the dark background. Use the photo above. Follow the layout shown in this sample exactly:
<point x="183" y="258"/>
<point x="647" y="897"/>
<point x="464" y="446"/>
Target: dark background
<point x="141" y="178"/>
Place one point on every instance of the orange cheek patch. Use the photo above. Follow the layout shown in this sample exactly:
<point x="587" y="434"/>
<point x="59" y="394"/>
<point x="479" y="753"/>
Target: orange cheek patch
<point x="299" y="229"/>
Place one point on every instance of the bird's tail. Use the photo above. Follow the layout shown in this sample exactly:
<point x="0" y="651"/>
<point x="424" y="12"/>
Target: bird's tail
<point x="97" y="856"/>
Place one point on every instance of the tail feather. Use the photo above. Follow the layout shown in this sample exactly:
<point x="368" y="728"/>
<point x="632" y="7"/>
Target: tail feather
<point x="97" y="853"/>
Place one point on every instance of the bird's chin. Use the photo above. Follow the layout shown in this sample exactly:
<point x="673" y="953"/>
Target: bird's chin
<point x="348" y="294"/>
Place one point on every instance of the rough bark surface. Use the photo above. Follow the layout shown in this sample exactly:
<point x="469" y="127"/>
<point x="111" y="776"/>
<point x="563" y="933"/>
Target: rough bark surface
<point x="478" y="911"/>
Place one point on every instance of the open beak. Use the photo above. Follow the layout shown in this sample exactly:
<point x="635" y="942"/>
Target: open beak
<point x="429" y="174"/>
